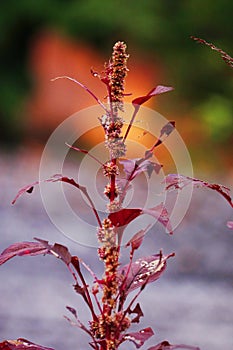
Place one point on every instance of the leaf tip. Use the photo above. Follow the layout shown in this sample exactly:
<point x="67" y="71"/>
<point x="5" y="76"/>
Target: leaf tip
<point x="230" y="225"/>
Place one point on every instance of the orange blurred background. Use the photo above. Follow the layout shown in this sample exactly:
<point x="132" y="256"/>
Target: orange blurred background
<point x="41" y="42"/>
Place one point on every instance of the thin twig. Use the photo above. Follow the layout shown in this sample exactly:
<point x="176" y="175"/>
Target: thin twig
<point x="122" y="300"/>
<point x="84" y="87"/>
<point x="131" y="122"/>
<point x="85" y="152"/>
<point x="75" y="263"/>
<point x="84" y="191"/>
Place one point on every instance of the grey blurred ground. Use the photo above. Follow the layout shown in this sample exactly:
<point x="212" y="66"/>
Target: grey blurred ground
<point x="192" y="303"/>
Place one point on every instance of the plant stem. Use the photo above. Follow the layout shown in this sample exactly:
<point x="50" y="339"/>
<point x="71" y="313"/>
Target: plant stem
<point x="87" y="298"/>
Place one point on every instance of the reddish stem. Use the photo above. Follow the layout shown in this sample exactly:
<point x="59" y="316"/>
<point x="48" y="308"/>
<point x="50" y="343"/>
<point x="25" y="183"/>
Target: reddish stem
<point x="113" y="183"/>
<point x="136" y="109"/>
<point x="75" y="263"/>
<point x="121" y="289"/>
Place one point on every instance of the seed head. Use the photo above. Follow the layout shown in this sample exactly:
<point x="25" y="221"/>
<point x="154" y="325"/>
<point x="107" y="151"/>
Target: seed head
<point x="118" y="73"/>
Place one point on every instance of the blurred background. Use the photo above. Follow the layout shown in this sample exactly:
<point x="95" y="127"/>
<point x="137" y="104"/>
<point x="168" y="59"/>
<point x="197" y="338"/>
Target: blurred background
<point x="40" y="40"/>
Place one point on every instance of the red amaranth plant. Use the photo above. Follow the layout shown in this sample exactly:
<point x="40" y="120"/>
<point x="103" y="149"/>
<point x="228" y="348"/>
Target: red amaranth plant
<point x="112" y="308"/>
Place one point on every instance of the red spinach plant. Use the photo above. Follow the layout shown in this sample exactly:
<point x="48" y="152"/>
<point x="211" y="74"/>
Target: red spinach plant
<point x="112" y="306"/>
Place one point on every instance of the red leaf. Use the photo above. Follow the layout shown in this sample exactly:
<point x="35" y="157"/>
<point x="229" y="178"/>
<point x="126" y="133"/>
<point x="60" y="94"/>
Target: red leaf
<point x="137" y="239"/>
<point x="160" y="213"/>
<point x="167" y="129"/>
<point x="59" y="250"/>
<point x="62" y="252"/>
<point x="164" y="133"/>
<point x="21" y="344"/>
<point x="137" y="102"/>
<point x="59" y="177"/>
<point x="28" y="189"/>
<point x="139" y="338"/>
<point x="124" y="216"/>
<point x="35" y="248"/>
<point x="143" y="271"/>
<point x="160" y="89"/>
<point x="22" y="248"/>
<point x="55" y="178"/>
<point x="134" y="167"/>
<point x="137" y="310"/>
<point x="72" y="310"/>
<point x="128" y="165"/>
<point x="152" y="166"/>
<point x="175" y="181"/>
<point x="164" y="345"/>
<point x="230" y="224"/>
<point x="161" y="346"/>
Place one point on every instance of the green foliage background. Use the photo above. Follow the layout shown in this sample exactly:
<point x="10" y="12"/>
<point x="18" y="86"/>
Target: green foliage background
<point x="160" y="28"/>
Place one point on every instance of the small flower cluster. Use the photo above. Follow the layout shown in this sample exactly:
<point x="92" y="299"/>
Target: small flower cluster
<point x="110" y="169"/>
<point x="113" y="140"/>
<point x="106" y="233"/>
<point x="108" y="191"/>
<point x="111" y="260"/>
<point x="112" y="122"/>
<point x="109" y="253"/>
<point x="109" y="327"/>
<point x="109" y="322"/>
<point x="117" y="74"/>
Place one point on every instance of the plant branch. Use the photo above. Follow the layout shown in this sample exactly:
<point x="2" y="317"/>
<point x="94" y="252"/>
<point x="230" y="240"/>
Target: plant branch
<point x="136" y="109"/>
<point x="75" y="263"/>
<point x="84" y="87"/>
